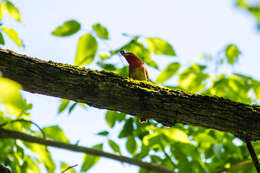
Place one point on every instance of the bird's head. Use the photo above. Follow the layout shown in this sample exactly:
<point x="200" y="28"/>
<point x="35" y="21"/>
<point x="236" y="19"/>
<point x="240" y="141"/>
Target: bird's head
<point x="131" y="58"/>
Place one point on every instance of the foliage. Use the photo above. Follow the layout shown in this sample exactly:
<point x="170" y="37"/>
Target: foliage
<point x="252" y="7"/>
<point x="181" y="148"/>
<point x="9" y="7"/>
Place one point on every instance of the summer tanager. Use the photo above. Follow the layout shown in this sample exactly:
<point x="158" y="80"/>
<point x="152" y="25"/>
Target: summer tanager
<point x="137" y="70"/>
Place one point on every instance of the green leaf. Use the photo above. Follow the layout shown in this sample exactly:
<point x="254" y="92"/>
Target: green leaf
<point x="10" y="96"/>
<point x="72" y="107"/>
<point x="256" y="88"/>
<point x="106" y="66"/>
<point x="153" y="140"/>
<point x="13" y="35"/>
<point x="90" y="160"/>
<point x="115" y="147"/>
<point x="64" y="104"/>
<point x="131" y="144"/>
<point x="218" y="150"/>
<point x="65" y="166"/>
<point x="142" y="170"/>
<point x="168" y="72"/>
<point x="31" y="166"/>
<point x="160" y="47"/>
<point x="143" y="153"/>
<point x="113" y="116"/>
<point x="13" y="11"/>
<point x="193" y="78"/>
<point x="127" y="129"/>
<point x="2" y="9"/>
<point x="204" y="140"/>
<point x="2" y="41"/>
<point x="44" y="155"/>
<point x="55" y="133"/>
<point x="103" y="133"/>
<point x="232" y="52"/>
<point x="104" y="56"/>
<point x="68" y="28"/>
<point x="86" y="51"/>
<point x="101" y="31"/>
<point x="176" y="134"/>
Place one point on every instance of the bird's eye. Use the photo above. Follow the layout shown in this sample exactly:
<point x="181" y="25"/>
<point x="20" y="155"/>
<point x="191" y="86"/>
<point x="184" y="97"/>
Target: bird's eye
<point x="122" y="52"/>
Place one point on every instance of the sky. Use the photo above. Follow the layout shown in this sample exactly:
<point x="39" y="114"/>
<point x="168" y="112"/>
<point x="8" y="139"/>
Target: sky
<point x="192" y="27"/>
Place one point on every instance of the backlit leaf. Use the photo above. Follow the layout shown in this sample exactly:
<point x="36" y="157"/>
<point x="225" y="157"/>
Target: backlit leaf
<point x="89" y="160"/>
<point x="160" y="47"/>
<point x="13" y="11"/>
<point x="72" y="107"/>
<point x="177" y="135"/>
<point x="143" y="153"/>
<point x="101" y="31"/>
<point x="65" y="166"/>
<point x="63" y="105"/>
<point x="113" y="116"/>
<point x="86" y="51"/>
<point x="218" y="150"/>
<point x="2" y="41"/>
<point x="256" y="88"/>
<point x="31" y="166"/>
<point x="168" y="72"/>
<point x="2" y="9"/>
<point x="106" y="66"/>
<point x="114" y="146"/>
<point x="127" y="129"/>
<point x="154" y="140"/>
<point x="232" y="52"/>
<point x="103" y="133"/>
<point x="44" y="155"/>
<point x="193" y="78"/>
<point x="68" y="28"/>
<point x="55" y="133"/>
<point x="104" y="56"/>
<point x="10" y="96"/>
<point x="131" y="144"/>
<point x="13" y="35"/>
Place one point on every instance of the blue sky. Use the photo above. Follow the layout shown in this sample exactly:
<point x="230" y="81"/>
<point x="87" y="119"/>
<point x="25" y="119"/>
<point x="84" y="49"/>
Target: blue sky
<point x="192" y="27"/>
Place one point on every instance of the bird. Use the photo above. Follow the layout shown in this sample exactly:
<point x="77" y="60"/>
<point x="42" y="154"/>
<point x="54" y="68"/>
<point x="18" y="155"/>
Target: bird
<point x="137" y="70"/>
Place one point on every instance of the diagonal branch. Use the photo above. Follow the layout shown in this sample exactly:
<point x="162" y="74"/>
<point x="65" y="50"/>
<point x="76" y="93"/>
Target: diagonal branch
<point x="253" y="155"/>
<point x="110" y="91"/>
<point x="235" y="167"/>
<point x="4" y="133"/>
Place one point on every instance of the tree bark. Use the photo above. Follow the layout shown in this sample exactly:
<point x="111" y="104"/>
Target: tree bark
<point x="109" y="91"/>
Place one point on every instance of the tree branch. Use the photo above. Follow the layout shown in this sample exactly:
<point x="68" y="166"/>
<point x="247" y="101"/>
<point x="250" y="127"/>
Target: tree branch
<point x="4" y="133"/>
<point x="110" y="91"/>
<point x="236" y="166"/>
<point x="253" y="155"/>
<point x="4" y="169"/>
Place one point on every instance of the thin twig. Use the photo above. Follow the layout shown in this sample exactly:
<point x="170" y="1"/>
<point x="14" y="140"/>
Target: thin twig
<point x="4" y="133"/>
<point x="166" y="155"/>
<point x="69" y="168"/>
<point x="23" y="120"/>
<point x="253" y="155"/>
<point x="236" y="166"/>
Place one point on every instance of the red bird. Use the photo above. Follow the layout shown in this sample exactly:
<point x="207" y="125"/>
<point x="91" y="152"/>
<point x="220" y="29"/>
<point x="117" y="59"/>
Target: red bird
<point x="137" y="69"/>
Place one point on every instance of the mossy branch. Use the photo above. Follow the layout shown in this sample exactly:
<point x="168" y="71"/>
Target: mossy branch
<point x="109" y="91"/>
